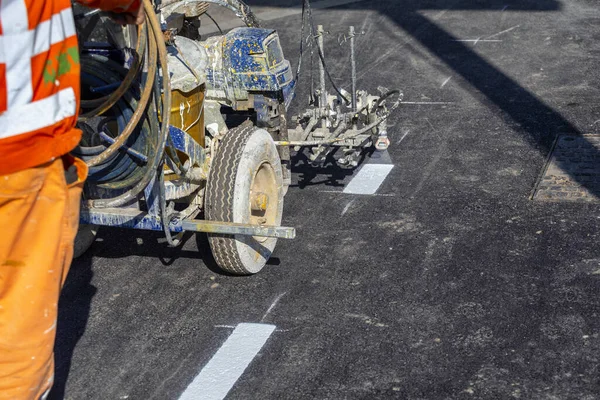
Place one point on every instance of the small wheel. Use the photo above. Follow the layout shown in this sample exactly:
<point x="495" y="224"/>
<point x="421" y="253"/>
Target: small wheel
<point x="245" y="185"/>
<point x="86" y="234"/>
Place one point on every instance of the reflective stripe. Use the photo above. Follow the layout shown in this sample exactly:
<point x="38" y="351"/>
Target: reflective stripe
<point x="38" y="114"/>
<point x="17" y="53"/>
<point x="18" y="45"/>
<point x="14" y="16"/>
<point x="52" y="31"/>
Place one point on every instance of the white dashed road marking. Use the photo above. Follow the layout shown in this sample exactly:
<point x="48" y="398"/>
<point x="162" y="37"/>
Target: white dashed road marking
<point x="229" y="363"/>
<point x="368" y="179"/>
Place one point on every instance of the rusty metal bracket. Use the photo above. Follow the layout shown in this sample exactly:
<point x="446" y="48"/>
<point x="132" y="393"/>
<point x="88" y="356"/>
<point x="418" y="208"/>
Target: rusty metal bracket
<point x="230" y="228"/>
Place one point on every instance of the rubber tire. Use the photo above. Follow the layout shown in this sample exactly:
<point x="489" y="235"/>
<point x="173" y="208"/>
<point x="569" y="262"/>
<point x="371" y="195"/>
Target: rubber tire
<point x="239" y="155"/>
<point x="86" y="235"/>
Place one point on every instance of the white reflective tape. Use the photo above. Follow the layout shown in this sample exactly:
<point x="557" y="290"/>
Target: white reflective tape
<point x="42" y="36"/>
<point x="38" y="114"/>
<point x="68" y="22"/>
<point x="18" y="69"/>
<point x="53" y="31"/>
<point x="13" y="14"/>
<point x="19" y="44"/>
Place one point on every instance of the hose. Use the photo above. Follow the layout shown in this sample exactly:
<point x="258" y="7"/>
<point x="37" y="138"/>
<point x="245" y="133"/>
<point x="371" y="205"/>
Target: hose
<point x="137" y="115"/>
<point x="156" y="43"/>
<point x="135" y="109"/>
<point x="127" y="166"/>
<point x="105" y="103"/>
<point x="314" y="36"/>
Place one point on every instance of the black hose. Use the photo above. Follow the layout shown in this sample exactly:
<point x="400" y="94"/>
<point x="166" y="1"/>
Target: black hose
<point x="320" y="52"/>
<point x="215" y="22"/>
<point x="143" y="136"/>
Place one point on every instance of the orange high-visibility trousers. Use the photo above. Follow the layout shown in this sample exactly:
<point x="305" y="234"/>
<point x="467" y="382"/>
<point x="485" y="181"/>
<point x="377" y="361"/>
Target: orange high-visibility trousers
<point x="39" y="215"/>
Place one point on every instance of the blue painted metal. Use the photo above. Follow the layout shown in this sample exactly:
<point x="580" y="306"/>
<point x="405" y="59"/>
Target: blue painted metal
<point x="252" y="61"/>
<point x="103" y="49"/>
<point x="261" y="108"/>
<point x="255" y="59"/>
<point x="128" y="150"/>
<point x="177" y="137"/>
<point x="126" y="218"/>
<point x="186" y="144"/>
<point x="120" y="164"/>
<point x="135" y="218"/>
<point x="105" y="88"/>
<point x="289" y="93"/>
<point x="151" y="194"/>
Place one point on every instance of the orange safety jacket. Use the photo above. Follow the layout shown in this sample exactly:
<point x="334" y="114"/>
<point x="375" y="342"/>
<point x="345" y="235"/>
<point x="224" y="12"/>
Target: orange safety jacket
<point x="39" y="79"/>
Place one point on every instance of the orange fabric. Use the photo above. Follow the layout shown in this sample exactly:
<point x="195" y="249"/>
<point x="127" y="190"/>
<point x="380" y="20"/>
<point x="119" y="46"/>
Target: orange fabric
<point x="30" y="149"/>
<point x="112" y="5"/>
<point x="51" y="71"/>
<point x="39" y="215"/>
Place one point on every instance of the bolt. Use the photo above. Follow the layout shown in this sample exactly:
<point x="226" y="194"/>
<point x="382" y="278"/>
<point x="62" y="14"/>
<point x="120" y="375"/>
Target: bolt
<point x="259" y="202"/>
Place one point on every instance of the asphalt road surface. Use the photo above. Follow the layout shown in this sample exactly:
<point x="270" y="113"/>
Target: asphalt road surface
<point x="448" y="283"/>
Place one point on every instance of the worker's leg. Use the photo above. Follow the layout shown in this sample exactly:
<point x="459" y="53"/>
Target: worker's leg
<point x="38" y="222"/>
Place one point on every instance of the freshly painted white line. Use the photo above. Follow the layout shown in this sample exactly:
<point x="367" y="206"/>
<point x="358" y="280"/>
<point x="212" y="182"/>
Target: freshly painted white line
<point x="477" y="40"/>
<point x="229" y="363"/>
<point x="345" y="210"/>
<point x="368" y="179"/>
<point x="445" y="82"/>
<point x="403" y="136"/>
<point x="429" y="103"/>
<point x="503" y="32"/>
<point x="374" y="194"/>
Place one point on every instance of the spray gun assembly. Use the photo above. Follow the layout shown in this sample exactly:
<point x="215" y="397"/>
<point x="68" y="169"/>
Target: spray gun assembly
<point x="183" y="133"/>
<point x="352" y="121"/>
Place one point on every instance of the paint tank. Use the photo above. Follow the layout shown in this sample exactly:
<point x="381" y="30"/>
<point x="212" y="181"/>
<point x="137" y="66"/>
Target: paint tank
<point x="187" y="65"/>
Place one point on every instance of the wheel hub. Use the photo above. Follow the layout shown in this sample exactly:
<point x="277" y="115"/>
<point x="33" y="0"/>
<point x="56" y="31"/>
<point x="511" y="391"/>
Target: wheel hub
<point x="263" y="189"/>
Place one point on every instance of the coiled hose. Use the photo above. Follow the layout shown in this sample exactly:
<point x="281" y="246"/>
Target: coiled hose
<point x="124" y="140"/>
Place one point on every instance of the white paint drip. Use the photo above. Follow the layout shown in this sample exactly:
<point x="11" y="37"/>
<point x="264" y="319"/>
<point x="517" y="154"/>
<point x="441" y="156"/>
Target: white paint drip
<point x="445" y="82"/>
<point x="503" y="32"/>
<point x="47" y="331"/>
<point x="427" y="103"/>
<point x="345" y="210"/>
<point x="475" y="41"/>
<point x="181" y="111"/>
<point x="374" y="194"/>
<point x="272" y="306"/>
<point x="368" y="179"/>
<point x="403" y="136"/>
<point x="441" y="14"/>
<point x="229" y="363"/>
<point x="213" y="128"/>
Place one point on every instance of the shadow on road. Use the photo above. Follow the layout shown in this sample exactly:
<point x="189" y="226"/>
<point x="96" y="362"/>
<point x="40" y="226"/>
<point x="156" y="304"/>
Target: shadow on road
<point x="73" y="314"/>
<point x="536" y="121"/>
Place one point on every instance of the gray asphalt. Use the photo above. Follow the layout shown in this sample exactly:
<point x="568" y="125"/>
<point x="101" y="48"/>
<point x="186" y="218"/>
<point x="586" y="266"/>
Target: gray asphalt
<point x="449" y="284"/>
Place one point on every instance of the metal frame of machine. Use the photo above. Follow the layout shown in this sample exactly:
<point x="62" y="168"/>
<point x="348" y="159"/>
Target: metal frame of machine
<point x="158" y="117"/>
